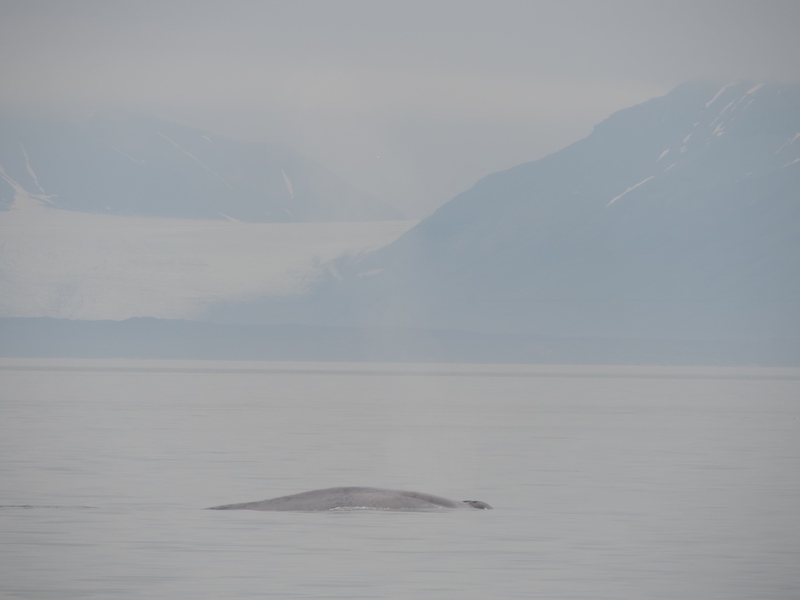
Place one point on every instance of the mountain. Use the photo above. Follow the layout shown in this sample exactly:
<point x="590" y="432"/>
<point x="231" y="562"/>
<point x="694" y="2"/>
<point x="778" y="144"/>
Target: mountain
<point x="126" y="164"/>
<point x="679" y="214"/>
<point x="670" y="235"/>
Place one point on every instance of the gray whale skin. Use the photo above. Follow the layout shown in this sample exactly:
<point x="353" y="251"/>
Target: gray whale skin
<point x="356" y="498"/>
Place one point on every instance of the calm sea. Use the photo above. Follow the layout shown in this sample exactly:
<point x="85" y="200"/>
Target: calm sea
<point x="607" y="483"/>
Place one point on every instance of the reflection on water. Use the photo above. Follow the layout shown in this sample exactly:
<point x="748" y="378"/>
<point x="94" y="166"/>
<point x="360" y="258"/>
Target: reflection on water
<point x="606" y="482"/>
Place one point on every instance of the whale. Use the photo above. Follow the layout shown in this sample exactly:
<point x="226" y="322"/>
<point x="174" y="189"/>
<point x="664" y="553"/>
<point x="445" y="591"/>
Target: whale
<point x="355" y="498"/>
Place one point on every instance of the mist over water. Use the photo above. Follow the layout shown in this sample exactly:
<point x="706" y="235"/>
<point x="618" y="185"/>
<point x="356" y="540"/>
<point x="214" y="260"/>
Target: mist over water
<point x="607" y="482"/>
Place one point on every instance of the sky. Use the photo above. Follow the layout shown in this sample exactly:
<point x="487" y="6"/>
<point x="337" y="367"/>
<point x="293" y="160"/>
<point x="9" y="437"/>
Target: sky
<point x="413" y="101"/>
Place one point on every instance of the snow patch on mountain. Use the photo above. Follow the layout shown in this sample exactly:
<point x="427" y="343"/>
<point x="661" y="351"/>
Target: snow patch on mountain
<point x="24" y="201"/>
<point x="719" y="93"/>
<point x="194" y="158"/>
<point x="29" y="169"/>
<point x="125" y="154"/>
<point x="788" y="142"/>
<point x="732" y="106"/>
<point x="630" y="189"/>
<point x="288" y="183"/>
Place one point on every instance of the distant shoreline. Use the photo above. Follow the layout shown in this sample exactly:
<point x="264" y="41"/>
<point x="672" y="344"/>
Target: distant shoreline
<point x="164" y="339"/>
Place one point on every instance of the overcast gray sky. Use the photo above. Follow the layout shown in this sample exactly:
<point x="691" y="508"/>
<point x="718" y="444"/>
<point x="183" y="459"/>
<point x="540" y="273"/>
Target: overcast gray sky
<point x="411" y="100"/>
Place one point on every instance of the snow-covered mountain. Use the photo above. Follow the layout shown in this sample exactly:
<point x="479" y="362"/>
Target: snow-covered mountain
<point x="673" y="211"/>
<point x="125" y="164"/>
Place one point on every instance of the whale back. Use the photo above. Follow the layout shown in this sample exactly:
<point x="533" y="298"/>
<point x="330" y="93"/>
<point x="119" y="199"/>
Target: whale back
<point x="477" y="504"/>
<point x="356" y="498"/>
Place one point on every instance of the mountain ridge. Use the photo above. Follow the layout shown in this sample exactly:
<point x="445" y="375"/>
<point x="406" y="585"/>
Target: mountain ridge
<point x="693" y="197"/>
<point x="123" y="163"/>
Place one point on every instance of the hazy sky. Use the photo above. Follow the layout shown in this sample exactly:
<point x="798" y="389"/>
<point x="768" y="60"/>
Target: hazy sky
<point x="411" y="100"/>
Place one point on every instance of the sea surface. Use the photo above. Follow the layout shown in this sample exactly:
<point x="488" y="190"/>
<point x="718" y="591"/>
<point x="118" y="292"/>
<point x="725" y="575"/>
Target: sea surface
<point x="607" y="483"/>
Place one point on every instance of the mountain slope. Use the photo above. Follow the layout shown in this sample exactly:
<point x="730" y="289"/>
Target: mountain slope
<point x="692" y="197"/>
<point x="120" y="163"/>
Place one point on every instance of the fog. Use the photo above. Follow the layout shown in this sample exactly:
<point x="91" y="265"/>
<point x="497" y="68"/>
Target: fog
<point x="412" y="101"/>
